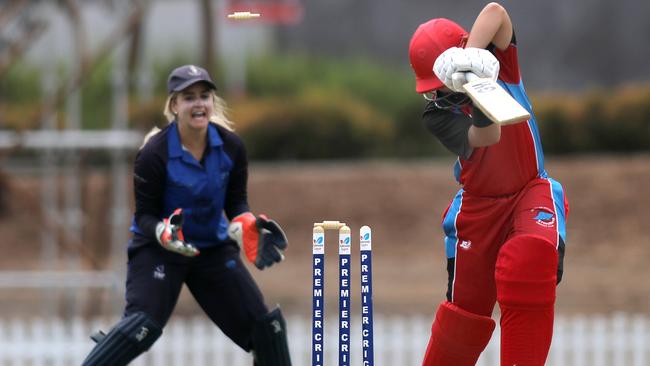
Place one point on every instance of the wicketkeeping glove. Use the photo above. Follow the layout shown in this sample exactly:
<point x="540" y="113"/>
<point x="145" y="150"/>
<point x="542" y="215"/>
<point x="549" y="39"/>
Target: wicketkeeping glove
<point x="452" y="66"/>
<point x="169" y="233"/>
<point x="262" y="239"/>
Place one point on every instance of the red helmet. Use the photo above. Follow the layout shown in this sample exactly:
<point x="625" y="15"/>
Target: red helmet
<point x="428" y="42"/>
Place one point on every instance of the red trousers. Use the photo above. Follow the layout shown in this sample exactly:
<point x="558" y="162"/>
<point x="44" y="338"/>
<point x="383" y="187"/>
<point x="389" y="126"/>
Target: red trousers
<point x="477" y="227"/>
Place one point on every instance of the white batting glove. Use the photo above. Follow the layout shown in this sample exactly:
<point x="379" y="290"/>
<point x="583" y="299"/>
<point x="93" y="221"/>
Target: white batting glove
<point x="458" y="79"/>
<point x="450" y="67"/>
<point x="483" y="63"/>
<point x="449" y="62"/>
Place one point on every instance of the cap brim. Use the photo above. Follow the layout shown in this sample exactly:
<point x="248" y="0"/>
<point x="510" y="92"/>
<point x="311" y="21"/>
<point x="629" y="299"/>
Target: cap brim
<point x="427" y="85"/>
<point x="191" y="82"/>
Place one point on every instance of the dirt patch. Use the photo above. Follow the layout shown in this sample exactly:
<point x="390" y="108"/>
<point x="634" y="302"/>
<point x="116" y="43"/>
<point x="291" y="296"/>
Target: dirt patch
<point x="605" y="265"/>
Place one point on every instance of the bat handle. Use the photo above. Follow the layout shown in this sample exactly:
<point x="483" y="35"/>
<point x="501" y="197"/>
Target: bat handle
<point x="470" y="76"/>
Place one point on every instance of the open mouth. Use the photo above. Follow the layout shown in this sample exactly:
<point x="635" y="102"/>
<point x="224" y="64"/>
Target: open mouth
<point x="198" y="114"/>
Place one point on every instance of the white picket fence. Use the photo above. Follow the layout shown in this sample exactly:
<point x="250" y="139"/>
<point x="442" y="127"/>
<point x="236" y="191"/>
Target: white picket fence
<point x="615" y="340"/>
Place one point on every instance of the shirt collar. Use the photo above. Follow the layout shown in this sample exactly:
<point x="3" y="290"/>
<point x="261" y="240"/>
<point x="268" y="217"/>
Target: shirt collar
<point x="175" y="147"/>
<point x="214" y="139"/>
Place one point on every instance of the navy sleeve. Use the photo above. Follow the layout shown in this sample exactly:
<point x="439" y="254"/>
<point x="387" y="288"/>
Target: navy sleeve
<point x="450" y="128"/>
<point x="149" y="178"/>
<point x="236" y="201"/>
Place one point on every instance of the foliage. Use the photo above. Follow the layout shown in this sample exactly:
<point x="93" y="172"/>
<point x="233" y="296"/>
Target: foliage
<point x="96" y="98"/>
<point x="19" y="90"/>
<point x="315" y="125"/>
<point x="301" y="107"/>
<point x="387" y="92"/>
<point x="615" y="120"/>
<point x="22" y="85"/>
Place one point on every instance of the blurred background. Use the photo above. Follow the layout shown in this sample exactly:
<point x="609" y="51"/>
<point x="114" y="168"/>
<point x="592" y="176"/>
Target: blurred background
<point x="323" y="96"/>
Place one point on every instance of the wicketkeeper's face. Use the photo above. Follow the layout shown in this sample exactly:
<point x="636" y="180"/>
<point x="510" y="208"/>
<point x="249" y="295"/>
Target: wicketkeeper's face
<point x="194" y="106"/>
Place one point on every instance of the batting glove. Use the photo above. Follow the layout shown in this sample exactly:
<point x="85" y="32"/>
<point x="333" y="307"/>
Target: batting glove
<point x="169" y="233"/>
<point x="263" y="240"/>
<point x="452" y="66"/>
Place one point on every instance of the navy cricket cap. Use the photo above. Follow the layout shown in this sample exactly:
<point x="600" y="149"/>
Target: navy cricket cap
<point x="186" y="75"/>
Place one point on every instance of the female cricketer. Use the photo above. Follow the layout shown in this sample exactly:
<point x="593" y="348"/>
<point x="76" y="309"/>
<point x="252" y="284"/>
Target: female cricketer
<point x="505" y="228"/>
<point x="190" y="179"/>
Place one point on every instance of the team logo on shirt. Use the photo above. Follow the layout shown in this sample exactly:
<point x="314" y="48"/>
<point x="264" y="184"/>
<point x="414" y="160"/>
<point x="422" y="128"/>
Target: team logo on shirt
<point x="544" y="217"/>
<point x="465" y="244"/>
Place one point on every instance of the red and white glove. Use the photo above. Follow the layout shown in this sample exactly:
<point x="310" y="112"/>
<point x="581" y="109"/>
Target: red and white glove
<point x="262" y="239"/>
<point x="169" y="233"/>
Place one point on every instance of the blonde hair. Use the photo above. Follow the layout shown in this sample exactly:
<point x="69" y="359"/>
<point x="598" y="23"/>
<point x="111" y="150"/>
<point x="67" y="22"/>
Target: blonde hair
<point x="217" y="117"/>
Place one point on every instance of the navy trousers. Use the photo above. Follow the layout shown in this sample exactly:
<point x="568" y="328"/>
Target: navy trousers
<point x="217" y="279"/>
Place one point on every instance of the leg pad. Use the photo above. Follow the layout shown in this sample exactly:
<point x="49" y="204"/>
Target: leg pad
<point x="526" y="273"/>
<point x="130" y="337"/>
<point x="457" y="337"/>
<point x="270" y="345"/>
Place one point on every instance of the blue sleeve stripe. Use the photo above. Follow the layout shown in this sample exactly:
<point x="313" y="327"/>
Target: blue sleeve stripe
<point x="558" y="200"/>
<point x="449" y="224"/>
<point x="458" y="168"/>
<point x="519" y="93"/>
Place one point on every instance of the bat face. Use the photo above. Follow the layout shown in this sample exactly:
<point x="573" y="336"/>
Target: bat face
<point x="495" y="102"/>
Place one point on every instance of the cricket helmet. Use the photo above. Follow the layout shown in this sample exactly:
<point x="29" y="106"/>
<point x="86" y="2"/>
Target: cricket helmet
<point x="427" y="43"/>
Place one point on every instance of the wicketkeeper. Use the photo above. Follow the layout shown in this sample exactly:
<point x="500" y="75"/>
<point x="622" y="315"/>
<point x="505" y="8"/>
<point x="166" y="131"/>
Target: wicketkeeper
<point x="191" y="219"/>
<point x="505" y="228"/>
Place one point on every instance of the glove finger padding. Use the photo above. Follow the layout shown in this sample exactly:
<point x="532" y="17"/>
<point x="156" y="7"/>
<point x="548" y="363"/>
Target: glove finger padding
<point x="457" y="60"/>
<point x="262" y="239"/>
<point x="182" y="248"/>
<point x="483" y="63"/>
<point x="272" y="231"/>
<point x="272" y="242"/>
<point x="450" y="62"/>
<point x="270" y="254"/>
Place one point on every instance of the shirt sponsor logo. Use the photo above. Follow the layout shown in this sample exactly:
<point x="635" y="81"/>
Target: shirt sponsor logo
<point x="465" y="244"/>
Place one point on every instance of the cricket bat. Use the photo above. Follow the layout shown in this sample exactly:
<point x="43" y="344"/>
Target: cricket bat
<point x="494" y="101"/>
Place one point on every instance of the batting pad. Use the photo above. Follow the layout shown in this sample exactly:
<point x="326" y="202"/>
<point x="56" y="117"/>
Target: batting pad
<point x="130" y="337"/>
<point x="526" y="273"/>
<point x="270" y="340"/>
<point x="457" y="337"/>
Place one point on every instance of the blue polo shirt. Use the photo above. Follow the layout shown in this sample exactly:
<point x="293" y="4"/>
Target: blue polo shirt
<point x="210" y="191"/>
